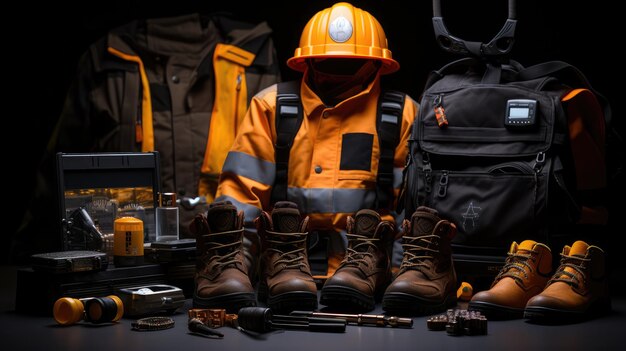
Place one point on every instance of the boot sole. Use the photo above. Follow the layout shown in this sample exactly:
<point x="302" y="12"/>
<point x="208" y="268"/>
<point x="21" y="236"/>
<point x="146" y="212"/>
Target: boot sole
<point x="407" y="304"/>
<point x="231" y="302"/>
<point x="346" y="298"/>
<point x="293" y="300"/>
<point x="548" y="315"/>
<point x="495" y="311"/>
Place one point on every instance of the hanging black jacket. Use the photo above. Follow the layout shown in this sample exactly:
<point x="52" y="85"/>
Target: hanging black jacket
<point x="176" y="85"/>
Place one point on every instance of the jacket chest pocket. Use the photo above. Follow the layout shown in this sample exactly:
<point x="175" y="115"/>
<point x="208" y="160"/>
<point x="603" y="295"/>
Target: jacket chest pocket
<point x="356" y="157"/>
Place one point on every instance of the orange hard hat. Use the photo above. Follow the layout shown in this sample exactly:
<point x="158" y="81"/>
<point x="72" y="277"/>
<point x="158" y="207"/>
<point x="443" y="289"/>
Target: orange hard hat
<point x="343" y="31"/>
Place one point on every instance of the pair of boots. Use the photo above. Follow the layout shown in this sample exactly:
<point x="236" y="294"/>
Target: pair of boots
<point x="525" y="287"/>
<point x="426" y="281"/>
<point x="224" y="268"/>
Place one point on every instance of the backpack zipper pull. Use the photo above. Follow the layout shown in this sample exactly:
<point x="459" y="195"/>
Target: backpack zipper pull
<point x="440" y="112"/>
<point x="443" y="184"/>
<point x="539" y="161"/>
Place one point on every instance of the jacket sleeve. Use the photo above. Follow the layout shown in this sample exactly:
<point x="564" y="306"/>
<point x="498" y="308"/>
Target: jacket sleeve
<point x="249" y="169"/>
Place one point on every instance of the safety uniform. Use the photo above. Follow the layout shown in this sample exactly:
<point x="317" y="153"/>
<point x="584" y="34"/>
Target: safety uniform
<point x="309" y="149"/>
<point x="334" y="158"/>
<point x="333" y="162"/>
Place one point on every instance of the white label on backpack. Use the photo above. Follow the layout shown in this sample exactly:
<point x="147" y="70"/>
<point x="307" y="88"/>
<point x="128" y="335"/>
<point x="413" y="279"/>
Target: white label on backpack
<point x="340" y="30"/>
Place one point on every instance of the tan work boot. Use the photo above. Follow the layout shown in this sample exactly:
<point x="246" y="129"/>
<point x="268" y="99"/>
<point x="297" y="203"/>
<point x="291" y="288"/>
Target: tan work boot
<point x="578" y="290"/>
<point x="426" y="282"/>
<point x="524" y="275"/>
<point x="286" y="283"/>
<point x="221" y="273"/>
<point x="365" y="270"/>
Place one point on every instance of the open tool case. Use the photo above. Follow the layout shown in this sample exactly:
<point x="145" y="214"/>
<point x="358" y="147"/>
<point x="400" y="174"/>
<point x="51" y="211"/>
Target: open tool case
<point x="105" y="186"/>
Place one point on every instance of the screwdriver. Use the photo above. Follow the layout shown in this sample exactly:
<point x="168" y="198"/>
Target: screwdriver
<point x="361" y="319"/>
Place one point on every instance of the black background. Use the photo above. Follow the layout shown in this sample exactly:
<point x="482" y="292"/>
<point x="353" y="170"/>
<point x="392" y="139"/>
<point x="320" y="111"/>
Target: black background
<point x="42" y="44"/>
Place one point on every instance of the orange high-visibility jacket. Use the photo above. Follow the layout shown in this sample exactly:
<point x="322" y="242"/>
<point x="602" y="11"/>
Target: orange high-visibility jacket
<point x="326" y="187"/>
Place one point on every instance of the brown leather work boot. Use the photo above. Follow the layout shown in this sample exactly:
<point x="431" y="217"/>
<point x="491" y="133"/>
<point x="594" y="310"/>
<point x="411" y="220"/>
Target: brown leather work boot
<point x="221" y="273"/>
<point x="286" y="283"/>
<point x="524" y="275"/>
<point x="365" y="270"/>
<point x="578" y="290"/>
<point x="426" y="282"/>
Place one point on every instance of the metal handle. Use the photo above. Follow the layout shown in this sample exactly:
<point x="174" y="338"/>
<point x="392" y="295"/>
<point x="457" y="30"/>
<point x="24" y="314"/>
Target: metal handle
<point x="501" y="44"/>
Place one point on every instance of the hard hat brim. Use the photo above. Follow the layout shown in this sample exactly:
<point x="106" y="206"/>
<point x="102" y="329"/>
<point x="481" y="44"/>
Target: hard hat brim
<point x="388" y="65"/>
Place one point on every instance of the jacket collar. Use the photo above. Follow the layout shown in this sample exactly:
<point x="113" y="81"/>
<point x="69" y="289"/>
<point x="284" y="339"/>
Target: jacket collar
<point x="131" y="37"/>
<point x="311" y="102"/>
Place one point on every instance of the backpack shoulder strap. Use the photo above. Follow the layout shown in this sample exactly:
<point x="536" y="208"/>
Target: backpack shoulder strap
<point x="388" y="121"/>
<point x="289" y="116"/>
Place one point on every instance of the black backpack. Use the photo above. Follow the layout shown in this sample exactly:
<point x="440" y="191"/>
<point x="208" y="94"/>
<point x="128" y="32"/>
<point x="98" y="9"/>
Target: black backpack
<point x="507" y="152"/>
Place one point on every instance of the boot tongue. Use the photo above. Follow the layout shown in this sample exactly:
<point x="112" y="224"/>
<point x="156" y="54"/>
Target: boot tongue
<point x="366" y="222"/>
<point x="222" y="217"/>
<point x="579" y="248"/>
<point x="423" y="221"/>
<point x="526" y="245"/>
<point x="523" y="248"/>
<point x="286" y="217"/>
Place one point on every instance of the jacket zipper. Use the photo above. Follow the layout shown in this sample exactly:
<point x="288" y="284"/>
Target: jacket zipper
<point x="237" y="92"/>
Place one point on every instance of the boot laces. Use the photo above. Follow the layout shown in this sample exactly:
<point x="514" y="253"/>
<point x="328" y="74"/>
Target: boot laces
<point x="291" y="259"/>
<point x="223" y="260"/>
<point x="573" y="262"/>
<point x="516" y="262"/>
<point x="359" y="250"/>
<point x="417" y="250"/>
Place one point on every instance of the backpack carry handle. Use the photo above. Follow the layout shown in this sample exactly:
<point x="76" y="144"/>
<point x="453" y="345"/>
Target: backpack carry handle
<point x="500" y="45"/>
